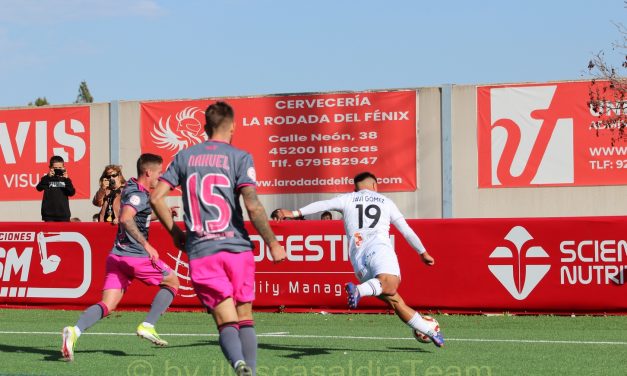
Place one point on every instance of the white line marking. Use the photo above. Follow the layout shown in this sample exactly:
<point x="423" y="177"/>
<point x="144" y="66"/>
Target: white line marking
<point x="281" y="334"/>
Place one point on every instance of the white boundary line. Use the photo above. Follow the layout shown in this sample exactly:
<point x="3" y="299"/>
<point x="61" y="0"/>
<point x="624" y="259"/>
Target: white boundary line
<point x="287" y="335"/>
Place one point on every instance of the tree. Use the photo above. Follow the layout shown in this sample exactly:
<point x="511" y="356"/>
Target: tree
<point x="608" y="98"/>
<point x="84" y="96"/>
<point x="39" y="102"/>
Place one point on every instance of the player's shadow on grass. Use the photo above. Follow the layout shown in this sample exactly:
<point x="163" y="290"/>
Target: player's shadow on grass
<point x="408" y="349"/>
<point x="55" y="355"/>
<point x="300" y="351"/>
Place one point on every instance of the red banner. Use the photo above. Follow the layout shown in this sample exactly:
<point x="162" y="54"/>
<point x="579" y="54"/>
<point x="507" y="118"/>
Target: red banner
<point x="303" y="143"/>
<point x="547" y="135"/>
<point x="28" y="138"/>
<point x="550" y="265"/>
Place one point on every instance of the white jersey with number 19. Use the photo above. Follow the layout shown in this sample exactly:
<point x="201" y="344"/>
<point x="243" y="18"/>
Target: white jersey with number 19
<point x="367" y="214"/>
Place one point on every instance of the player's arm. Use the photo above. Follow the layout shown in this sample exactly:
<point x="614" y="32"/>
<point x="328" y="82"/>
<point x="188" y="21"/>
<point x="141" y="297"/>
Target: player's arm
<point x="127" y="221"/>
<point x="43" y="183"/>
<point x="163" y="212"/>
<point x="414" y="241"/>
<point x="69" y="189"/>
<point x="259" y="219"/>
<point x="315" y="207"/>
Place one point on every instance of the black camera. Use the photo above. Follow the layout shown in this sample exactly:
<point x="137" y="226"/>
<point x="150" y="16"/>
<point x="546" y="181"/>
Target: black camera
<point x="111" y="183"/>
<point x="59" y="171"/>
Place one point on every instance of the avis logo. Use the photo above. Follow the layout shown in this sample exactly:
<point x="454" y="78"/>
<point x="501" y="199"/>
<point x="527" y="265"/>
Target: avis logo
<point x="20" y="264"/>
<point x="186" y="131"/>
<point x="531" y="136"/>
<point x="68" y="134"/>
<point x="515" y="270"/>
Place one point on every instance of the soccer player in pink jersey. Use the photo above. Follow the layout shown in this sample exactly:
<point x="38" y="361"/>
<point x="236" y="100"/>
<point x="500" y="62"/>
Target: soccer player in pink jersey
<point x="212" y="176"/>
<point x="132" y="257"/>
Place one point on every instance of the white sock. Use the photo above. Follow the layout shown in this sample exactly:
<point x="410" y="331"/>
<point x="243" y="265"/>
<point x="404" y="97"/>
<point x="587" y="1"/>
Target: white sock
<point x="371" y="287"/>
<point x="419" y="324"/>
<point x="77" y="331"/>
<point x="147" y="324"/>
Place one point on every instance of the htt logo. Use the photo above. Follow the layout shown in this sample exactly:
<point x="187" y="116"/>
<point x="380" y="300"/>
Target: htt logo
<point x="16" y="261"/>
<point x="515" y="271"/>
<point x="531" y="133"/>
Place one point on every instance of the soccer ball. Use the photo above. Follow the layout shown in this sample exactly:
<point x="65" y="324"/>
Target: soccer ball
<point x="423" y="338"/>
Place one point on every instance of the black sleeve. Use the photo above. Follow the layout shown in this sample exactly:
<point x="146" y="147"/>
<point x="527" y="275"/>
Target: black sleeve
<point x="43" y="183"/>
<point x="69" y="187"/>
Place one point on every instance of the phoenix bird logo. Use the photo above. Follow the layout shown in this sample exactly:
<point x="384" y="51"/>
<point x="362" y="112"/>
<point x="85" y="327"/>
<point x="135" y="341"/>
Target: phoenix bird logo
<point x="187" y="130"/>
<point x="517" y="273"/>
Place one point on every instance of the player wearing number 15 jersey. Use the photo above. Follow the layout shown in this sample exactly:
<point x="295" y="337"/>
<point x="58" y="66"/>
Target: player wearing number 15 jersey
<point x="367" y="218"/>
<point x="212" y="176"/>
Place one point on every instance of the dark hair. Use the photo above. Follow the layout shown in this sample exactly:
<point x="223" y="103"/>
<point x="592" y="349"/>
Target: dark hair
<point x="216" y="114"/>
<point x="326" y="214"/>
<point x="147" y="159"/>
<point x="363" y="176"/>
<point x="117" y="169"/>
<point x="55" y="159"/>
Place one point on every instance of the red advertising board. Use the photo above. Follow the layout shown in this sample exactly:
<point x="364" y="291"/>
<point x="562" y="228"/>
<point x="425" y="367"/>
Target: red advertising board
<point x="543" y="265"/>
<point x="303" y="143"/>
<point x="547" y="135"/>
<point x="29" y="137"/>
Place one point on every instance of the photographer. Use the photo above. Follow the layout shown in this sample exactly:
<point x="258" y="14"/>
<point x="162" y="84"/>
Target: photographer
<point x="57" y="187"/>
<point x="108" y="196"/>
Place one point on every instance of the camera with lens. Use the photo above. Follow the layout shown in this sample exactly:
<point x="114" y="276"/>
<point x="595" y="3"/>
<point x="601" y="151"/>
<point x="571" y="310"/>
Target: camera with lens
<point x="112" y="183"/>
<point x="59" y="171"/>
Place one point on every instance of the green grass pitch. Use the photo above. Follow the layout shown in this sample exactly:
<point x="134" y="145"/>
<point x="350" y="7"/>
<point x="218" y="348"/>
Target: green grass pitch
<point x="319" y="345"/>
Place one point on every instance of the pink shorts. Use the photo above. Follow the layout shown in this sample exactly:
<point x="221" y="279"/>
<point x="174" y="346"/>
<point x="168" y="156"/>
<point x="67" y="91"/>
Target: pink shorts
<point x="223" y="275"/>
<point x="121" y="270"/>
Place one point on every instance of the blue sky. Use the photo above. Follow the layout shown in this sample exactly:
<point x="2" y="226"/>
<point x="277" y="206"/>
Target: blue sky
<point x="157" y="49"/>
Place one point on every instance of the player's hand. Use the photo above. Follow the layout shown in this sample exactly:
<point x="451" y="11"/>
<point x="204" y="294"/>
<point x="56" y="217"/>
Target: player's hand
<point x="152" y="254"/>
<point x="277" y="251"/>
<point x="427" y="259"/>
<point x="114" y="222"/>
<point x="178" y="236"/>
<point x="282" y="214"/>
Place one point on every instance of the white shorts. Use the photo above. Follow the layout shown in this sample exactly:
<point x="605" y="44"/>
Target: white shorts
<point x="374" y="257"/>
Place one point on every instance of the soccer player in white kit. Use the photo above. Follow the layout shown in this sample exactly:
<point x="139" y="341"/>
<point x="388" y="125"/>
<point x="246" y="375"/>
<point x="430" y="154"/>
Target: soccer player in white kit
<point x="367" y="218"/>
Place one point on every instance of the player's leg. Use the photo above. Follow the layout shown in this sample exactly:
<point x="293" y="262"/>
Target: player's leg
<point x="215" y="290"/>
<point x="412" y="318"/>
<point x="116" y="282"/>
<point x="93" y="314"/>
<point x="227" y="320"/>
<point x="159" y="274"/>
<point x="247" y="334"/>
<point x="377" y="268"/>
<point x="241" y="270"/>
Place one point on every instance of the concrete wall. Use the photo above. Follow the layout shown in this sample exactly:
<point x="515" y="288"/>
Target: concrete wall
<point x="426" y="202"/>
